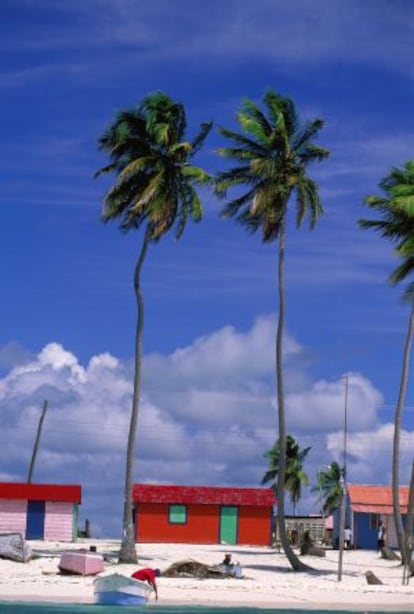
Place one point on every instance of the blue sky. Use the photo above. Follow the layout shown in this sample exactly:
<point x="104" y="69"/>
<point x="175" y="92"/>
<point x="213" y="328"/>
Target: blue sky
<point x="68" y="312"/>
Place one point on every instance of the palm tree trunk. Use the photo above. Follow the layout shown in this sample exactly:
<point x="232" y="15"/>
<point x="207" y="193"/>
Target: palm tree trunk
<point x="399" y="527"/>
<point x="292" y="558"/>
<point x="128" y="552"/>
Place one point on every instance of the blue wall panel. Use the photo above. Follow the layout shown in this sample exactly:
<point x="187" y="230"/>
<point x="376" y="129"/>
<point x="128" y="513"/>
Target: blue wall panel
<point x="35" y="524"/>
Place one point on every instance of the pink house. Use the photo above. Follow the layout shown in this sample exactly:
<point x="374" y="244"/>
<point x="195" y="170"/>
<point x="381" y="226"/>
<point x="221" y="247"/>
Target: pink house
<point x="40" y="511"/>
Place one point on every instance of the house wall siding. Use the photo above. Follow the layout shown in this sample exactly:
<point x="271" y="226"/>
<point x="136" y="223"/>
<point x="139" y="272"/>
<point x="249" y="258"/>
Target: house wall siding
<point x="13" y="516"/>
<point x="364" y="537"/>
<point x="255" y="526"/>
<point x="202" y="526"/>
<point x="58" y="521"/>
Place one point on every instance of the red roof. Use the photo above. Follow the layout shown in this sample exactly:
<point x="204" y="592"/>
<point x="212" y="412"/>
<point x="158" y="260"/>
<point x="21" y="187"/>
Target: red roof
<point x="375" y="499"/>
<point x="40" y="492"/>
<point x="158" y="493"/>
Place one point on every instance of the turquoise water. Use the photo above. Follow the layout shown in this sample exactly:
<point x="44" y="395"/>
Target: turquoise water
<point x="51" y="608"/>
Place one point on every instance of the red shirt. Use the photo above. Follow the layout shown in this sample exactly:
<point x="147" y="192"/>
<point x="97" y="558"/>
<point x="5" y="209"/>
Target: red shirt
<point x="146" y="575"/>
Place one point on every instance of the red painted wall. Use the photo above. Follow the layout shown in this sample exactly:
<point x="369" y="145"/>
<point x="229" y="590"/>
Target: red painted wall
<point x="203" y="525"/>
<point x="255" y="526"/>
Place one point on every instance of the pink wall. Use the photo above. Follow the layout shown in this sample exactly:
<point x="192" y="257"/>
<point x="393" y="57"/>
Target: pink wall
<point x="58" y="521"/>
<point x="13" y="516"/>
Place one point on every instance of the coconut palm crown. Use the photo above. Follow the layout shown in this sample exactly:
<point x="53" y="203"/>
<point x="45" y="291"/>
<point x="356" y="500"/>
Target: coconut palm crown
<point x="295" y="475"/>
<point x="150" y="159"/>
<point x="329" y="488"/>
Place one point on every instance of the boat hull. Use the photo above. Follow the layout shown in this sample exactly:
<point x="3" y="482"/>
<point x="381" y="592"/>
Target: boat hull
<point x="83" y="563"/>
<point x="119" y="598"/>
<point x="116" y="589"/>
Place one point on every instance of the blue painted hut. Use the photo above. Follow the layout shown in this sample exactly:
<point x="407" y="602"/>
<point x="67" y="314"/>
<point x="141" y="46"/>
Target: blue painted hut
<point x="366" y="506"/>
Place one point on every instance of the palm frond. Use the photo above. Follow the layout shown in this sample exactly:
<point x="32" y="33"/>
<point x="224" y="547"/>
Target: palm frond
<point x="198" y="141"/>
<point x="241" y="139"/>
<point x="395" y="207"/>
<point x="149" y="157"/>
<point x="279" y="150"/>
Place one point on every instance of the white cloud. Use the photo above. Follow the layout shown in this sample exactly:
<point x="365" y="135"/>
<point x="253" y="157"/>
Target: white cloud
<point x="322" y="408"/>
<point x="373" y="450"/>
<point x="207" y="416"/>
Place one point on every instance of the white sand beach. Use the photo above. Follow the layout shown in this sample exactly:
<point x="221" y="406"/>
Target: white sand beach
<point x="267" y="579"/>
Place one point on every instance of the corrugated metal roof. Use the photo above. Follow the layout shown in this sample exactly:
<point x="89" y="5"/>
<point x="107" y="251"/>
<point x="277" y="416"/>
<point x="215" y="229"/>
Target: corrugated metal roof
<point x="68" y="493"/>
<point x="159" y="493"/>
<point x="375" y="499"/>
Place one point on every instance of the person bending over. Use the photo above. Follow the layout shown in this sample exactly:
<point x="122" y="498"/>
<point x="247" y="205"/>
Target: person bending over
<point x="148" y="575"/>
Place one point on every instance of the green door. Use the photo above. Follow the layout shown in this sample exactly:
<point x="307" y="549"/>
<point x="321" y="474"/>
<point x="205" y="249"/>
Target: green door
<point x="228" y="524"/>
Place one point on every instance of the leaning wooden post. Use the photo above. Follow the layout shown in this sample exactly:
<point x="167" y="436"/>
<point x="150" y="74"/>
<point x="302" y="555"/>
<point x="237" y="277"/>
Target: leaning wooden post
<point x="36" y="446"/>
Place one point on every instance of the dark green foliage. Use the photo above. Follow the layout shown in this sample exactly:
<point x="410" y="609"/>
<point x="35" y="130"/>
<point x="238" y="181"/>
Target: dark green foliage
<point x="396" y="220"/>
<point x="295" y="476"/>
<point x="329" y="487"/>
<point x="271" y="155"/>
<point x="155" y="181"/>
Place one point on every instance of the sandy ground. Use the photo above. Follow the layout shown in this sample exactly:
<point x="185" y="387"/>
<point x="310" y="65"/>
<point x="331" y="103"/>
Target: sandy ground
<point x="268" y="580"/>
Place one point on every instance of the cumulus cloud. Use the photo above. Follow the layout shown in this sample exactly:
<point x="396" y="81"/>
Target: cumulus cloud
<point x="207" y="416"/>
<point x="322" y="407"/>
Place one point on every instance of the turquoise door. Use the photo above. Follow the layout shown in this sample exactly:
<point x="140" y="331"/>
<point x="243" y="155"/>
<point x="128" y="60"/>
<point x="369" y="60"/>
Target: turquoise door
<point x="228" y="524"/>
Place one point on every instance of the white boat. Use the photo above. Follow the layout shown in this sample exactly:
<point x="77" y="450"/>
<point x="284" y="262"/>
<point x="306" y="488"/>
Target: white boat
<point x="116" y="589"/>
<point x="81" y="562"/>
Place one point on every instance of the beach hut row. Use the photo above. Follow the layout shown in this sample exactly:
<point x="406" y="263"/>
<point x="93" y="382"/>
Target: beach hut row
<point x="190" y="514"/>
<point x="180" y="514"/>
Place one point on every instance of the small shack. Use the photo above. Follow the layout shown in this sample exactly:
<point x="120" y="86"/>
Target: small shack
<point x="40" y="511"/>
<point x="296" y="526"/>
<point x="203" y="514"/>
<point x="366" y="505"/>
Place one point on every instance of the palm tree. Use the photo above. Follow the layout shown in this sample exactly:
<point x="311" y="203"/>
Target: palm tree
<point x="329" y="488"/>
<point x="154" y="189"/>
<point x="295" y="476"/>
<point x="272" y="154"/>
<point x="395" y="207"/>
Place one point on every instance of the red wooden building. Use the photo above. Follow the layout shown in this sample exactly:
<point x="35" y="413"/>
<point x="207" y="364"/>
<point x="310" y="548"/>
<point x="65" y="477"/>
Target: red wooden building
<point x="203" y="514"/>
<point x="39" y="511"/>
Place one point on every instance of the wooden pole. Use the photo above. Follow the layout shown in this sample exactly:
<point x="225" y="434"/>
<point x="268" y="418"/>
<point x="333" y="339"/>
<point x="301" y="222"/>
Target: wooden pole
<point x="37" y="442"/>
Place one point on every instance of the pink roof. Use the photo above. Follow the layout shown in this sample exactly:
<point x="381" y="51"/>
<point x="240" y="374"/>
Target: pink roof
<point x="158" y="493"/>
<point x="375" y="499"/>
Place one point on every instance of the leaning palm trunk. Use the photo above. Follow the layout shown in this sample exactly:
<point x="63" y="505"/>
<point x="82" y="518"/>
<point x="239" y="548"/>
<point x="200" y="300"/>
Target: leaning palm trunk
<point x="292" y="558"/>
<point x="128" y="552"/>
<point x="399" y="527"/>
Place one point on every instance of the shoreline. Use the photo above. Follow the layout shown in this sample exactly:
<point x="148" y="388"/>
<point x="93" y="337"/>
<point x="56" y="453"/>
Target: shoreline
<point x="267" y="583"/>
<point x="279" y="605"/>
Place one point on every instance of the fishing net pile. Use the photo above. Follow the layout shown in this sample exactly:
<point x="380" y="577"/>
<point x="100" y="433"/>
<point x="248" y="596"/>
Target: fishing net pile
<point x="194" y="569"/>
